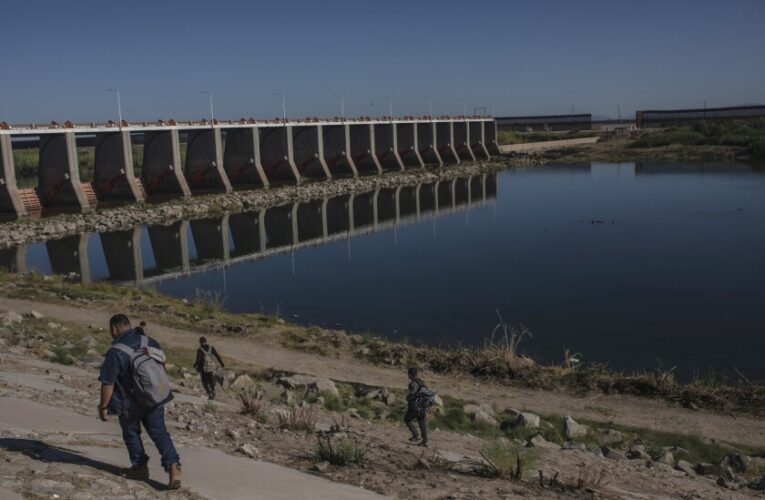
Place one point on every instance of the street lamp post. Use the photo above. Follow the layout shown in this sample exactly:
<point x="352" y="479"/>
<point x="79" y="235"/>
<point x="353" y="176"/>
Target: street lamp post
<point x="342" y="105"/>
<point x="390" y="106"/>
<point x="212" y="113"/>
<point x="284" y="106"/>
<point x="430" y="105"/>
<point x="119" y="105"/>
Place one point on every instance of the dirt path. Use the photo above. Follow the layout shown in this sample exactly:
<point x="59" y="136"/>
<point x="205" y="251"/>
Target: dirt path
<point x="621" y="410"/>
<point x="540" y="146"/>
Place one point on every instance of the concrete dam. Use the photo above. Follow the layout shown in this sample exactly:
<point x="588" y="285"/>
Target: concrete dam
<point x="220" y="156"/>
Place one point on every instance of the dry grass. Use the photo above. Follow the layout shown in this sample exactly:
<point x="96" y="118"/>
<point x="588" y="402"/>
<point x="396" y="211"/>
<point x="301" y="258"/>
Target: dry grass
<point x="507" y="462"/>
<point x="254" y="405"/>
<point x="588" y="478"/>
<point x="298" y="418"/>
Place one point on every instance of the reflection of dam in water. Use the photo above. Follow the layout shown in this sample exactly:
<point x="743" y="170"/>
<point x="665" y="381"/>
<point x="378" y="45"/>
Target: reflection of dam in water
<point x="147" y="254"/>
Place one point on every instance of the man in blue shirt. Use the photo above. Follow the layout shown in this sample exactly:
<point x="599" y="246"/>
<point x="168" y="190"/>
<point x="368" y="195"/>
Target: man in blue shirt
<point x="117" y="399"/>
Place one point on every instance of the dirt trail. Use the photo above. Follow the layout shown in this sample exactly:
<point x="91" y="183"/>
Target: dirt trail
<point x="621" y="410"/>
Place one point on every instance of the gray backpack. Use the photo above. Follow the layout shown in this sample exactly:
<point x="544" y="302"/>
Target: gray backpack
<point x="150" y="380"/>
<point x="423" y="399"/>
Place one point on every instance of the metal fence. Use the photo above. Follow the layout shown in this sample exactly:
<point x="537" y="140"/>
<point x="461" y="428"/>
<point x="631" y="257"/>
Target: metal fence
<point x="550" y="122"/>
<point x="662" y="118"/>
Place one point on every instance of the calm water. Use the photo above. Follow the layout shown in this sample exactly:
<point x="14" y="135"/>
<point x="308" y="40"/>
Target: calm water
<point x="640" y="266"/>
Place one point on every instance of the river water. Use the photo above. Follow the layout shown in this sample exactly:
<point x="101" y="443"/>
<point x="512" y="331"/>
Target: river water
<point x="639" y="266"/>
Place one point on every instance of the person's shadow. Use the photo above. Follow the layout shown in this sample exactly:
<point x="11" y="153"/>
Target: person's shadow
<point x="44" y="452"/>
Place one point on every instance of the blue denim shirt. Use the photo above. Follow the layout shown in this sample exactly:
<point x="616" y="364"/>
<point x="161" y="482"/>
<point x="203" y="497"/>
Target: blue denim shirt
<point x="116" y="371"/>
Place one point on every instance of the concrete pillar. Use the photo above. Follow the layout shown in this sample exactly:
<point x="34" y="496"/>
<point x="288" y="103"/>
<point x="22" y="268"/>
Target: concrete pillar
<point x="10" y="199"/>
<point x="59" y="174"/>
<point x="351" y="218"/>
<point x="241" y="159"/>
<point x="477" y="146"/>
<point x="362" y="148"/>
<point x="406" y="139"/>
<point x="310" y="220"/>
<point x="170" y="246"/>
<point x="113" y="175"/>
<point x="364" y="210"/>
<point x="338" y="214"/>
<point x="490" y="137"/>
<point x="445" y="142"/>
<point x="337" y="149"/>
<point x="375" y="213"/>
<point x="407" y="202"/>
<point x="278" y="224"/>
<point x="444" y="194"/>
<point x="386" y="146"/>
<point x="70" y="255"/>
<point x="211" y="239"/>
<point x="308" y="151"/>
<point x="204" y="161"/>
<point x="426" y="143"/>
<point x="427" y="197"/>
<point x="246" y="230"/>
<point x="14" y="259"/>
<point x="162" y="171"/>
<point x="417" y="199"/>
<point x="386" y="205"/>
<point x="276" y="154"/>
<point x="462" y="140"/>
<point x="122" y="250"/>
<point x="461" y="191"/>
<point x="476" y="189"/>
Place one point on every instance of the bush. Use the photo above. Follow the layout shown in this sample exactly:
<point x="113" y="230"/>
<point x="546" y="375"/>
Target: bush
<point x="298" y="418"/>
<point x="344" y="451"/>
<point x="254" y="406"/>
<point x="507" y="461"/>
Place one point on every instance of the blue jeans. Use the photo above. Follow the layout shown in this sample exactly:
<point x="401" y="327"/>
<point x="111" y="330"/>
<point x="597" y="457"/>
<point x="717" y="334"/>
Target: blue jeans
<point x="154" y="423"/>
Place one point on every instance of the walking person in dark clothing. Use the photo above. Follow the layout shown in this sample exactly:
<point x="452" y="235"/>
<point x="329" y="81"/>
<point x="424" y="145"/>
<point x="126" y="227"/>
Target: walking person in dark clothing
<point x="415" y="410"/>
<point x="209" y="365"/>
<point x="121" y="395"/>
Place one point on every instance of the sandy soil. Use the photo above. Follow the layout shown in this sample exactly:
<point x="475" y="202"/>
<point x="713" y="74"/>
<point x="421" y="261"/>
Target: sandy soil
<point x="262" y="351"/>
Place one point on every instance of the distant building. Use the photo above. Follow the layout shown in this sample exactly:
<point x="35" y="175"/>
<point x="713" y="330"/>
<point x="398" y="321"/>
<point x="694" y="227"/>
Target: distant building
<point x="542" y="123"/>
<point x="664" y="118"/>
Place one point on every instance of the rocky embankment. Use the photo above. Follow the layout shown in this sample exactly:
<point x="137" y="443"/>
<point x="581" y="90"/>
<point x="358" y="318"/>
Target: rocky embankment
<point x="267" y="429"/>
<point x="18" y="232"/>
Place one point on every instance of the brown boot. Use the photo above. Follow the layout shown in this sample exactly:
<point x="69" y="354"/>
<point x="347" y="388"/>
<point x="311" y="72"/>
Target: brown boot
<point x="175" y="477"/>
<point x="138" y="472"/>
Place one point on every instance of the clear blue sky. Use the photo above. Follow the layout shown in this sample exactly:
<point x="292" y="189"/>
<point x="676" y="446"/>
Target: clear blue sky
<point x="541" y="57"/>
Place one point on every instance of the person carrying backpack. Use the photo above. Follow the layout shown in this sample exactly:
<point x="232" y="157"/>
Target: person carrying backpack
<point x="135" y="387"/>
<point x="209" y="365"/>
<point x="419" y="400"/>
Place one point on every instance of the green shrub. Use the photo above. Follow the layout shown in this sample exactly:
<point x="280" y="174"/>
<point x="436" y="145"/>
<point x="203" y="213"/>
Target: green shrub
<point x="508" y="461"/>
<point x="343" y="451"/>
